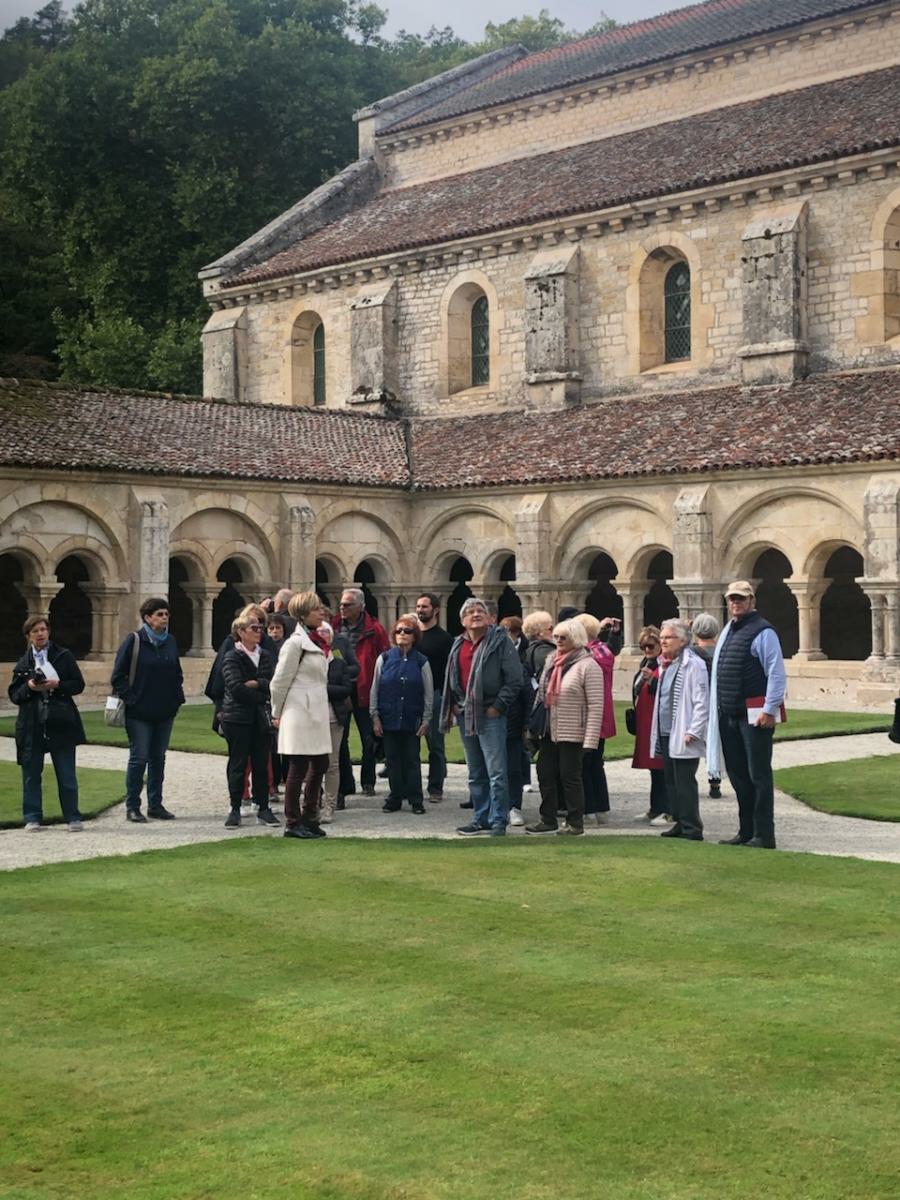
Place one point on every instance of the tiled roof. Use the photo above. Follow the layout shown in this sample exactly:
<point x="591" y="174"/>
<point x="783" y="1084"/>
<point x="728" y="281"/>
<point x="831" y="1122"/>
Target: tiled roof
<point x="76" y="428"/>
<point x="839" y="418"/>
<point x="814" y="124"/>
<point x="699" y="27"/>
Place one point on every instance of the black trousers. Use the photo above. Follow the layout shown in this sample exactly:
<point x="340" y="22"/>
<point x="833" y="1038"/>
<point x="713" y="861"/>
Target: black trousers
<point x="681" y="786"/>
<point x="559" y="777"/>
<point x="593" y="773"/>
<point x="748" y="761"/>
<point x="401" y="755"/>
<point x="364" y="725"/>
<point x="659" y="797"/>
<point x="253" y="742"/>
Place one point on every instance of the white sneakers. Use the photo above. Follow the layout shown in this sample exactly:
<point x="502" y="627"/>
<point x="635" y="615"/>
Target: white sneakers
<point x="515" y="817"/>
<point x="662" y="819"/>
<point x="33" y="827"/>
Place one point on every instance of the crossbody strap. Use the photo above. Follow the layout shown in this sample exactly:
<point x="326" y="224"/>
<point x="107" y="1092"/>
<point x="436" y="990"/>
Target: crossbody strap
<point x="132" y="670"/>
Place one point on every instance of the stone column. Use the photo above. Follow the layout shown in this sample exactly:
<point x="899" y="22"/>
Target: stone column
<point x="633" y="609"/>
<point x="809" y="599"/>
<point x="892" y="632"/>
<point x="38" y="595"/>
<point x="104" y="614"/>
<point x="298" y="541"/>
<point x="149" y="525"/>
<point x="202" y="596"/>
<point x="876" y="659"/>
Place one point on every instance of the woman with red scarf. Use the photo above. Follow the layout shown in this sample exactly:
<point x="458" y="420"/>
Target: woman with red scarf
<point x="643" y="692"/>
<point x="571" y="689"/>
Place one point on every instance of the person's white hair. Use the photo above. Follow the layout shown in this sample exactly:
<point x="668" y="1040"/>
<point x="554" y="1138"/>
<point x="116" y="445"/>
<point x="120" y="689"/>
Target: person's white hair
<point x="468" y="605"/>
<point x="680" y="628"/>
<point x="573" y="630"/>
<point x="705" y="626"/>
<point x="535" y="622"/>
<point x="359" y="596"/>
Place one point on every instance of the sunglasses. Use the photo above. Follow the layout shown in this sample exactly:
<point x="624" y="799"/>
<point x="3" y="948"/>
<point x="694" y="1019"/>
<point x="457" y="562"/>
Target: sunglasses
<point x="255" y="628"/>
<point x="405" y="629"/>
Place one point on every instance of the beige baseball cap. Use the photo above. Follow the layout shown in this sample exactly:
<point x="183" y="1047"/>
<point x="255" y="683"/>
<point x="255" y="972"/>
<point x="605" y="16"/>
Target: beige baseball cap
<point x="740" y="587"/>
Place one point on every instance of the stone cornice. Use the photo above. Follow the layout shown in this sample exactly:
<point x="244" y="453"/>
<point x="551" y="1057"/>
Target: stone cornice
<point x="761" y="189"/>
<point x="599" y="89"/>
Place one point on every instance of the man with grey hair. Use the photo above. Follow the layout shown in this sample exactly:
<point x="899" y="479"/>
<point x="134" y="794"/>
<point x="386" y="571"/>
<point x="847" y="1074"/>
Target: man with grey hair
<point x="279" y="605"/>
<point x="748" y="686"/>
<point x="484" y="673"/>
<point x="678" y="731"/>
<point x="368" y="640"/>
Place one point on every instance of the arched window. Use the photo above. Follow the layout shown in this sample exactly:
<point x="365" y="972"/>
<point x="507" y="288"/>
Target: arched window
<point x="481" y="343"/>
<point x="319" y="364"/>
<point x="677" y="293"/>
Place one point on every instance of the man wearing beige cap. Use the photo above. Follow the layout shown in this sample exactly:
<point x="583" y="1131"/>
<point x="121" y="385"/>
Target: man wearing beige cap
<point x="748" y="686"/>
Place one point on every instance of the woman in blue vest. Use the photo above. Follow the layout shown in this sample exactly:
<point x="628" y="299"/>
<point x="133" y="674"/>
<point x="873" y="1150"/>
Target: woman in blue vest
<point x="400" y="707"/>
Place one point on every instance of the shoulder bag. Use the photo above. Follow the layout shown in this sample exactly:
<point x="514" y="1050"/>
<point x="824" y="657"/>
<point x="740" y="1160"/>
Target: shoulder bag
<point x="114" y="713"/>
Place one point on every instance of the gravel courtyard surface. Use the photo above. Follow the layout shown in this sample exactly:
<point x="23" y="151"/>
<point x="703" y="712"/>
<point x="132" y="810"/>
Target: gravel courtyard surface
<point x="195" y="791"/>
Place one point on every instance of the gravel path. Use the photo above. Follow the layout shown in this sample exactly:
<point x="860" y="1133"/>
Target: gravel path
<point x="195" y="791"/>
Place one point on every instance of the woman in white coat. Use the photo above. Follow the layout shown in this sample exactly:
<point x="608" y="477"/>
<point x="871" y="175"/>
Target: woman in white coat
<point x="678" y="732"/>
<point x="300" y="713"/>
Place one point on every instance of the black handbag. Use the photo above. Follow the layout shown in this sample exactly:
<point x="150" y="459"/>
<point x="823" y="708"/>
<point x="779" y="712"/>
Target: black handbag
<point x="631" y="721"/>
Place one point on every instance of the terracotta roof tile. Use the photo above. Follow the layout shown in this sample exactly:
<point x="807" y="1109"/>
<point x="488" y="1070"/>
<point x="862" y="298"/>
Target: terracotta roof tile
<point x="62" y="425"/>
<point x="815" y="124"/>
<point x="841" y="418"/>
<point x="695" y="28"/>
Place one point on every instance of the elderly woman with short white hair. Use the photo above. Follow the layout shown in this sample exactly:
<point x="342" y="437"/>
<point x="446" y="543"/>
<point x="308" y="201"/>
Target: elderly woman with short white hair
<point x="678" y="732"/>
<point x="571" y="689"/>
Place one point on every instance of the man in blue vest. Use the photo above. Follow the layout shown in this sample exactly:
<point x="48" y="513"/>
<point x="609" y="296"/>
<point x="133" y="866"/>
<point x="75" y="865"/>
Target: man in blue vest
<point x="748" y="685"/>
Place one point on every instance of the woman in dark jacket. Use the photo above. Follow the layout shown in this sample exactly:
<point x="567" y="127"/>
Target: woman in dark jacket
<point x="247" y="670"/>
<point x="400" y="707"/>
<point x="538" y="629"/>
<point x="151" y="703"/>
<point x="340" y="683"/>
<point x="44" y="681"/>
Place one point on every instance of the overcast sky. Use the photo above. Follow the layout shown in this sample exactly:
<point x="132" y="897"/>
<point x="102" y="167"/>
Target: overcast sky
<point x="467" y="17"/>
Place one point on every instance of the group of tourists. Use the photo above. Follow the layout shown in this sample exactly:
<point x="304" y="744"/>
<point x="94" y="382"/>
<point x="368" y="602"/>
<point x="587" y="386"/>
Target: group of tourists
<point x="290" y="678"/>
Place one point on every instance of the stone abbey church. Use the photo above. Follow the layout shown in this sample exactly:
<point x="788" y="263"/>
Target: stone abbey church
<point x="611" y="324"/>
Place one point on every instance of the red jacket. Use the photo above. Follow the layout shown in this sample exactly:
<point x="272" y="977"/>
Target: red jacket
<point x="372" y="641"/>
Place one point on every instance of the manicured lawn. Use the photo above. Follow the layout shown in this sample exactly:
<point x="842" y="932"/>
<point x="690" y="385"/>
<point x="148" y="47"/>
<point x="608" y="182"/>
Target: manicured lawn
<point x="97" y="791"/>
<point x="193" y="731"/>
<point x="866" y="787"/>
<point x="432" y="1021"/>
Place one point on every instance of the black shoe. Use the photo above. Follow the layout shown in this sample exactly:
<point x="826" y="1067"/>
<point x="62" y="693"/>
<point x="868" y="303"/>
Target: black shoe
<point x="466" y="804"/>
<point x="369" y="790"/>
<point x="265" y="816"/>
<point x="135" y="815"/>
<point x="298" y="831"/>
<point x="383" y="773"/>
<point x="233" y="820"/>
<point x="737" y="840"/>
<point x="675" y="831"/>
<point x="761" y="843"/>
<point x="340" y="805"/>
<point x="391" y="807"/>
<point x="692" y="837"/>
<point x="435" y="797"/>
<point x="418" y="809"/>
<point x="715" y="791"/>
<point x="315" y="830"/>
<point x="160" y="814"/>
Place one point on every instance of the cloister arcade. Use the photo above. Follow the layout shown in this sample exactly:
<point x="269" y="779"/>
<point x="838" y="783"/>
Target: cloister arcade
<point x="611" y="555"/>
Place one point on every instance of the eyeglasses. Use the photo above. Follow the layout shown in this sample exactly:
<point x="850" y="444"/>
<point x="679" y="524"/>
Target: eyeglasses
<point x="404" y="629"/>
<point x="560" y="637"/>
<point x="649" y="646"/>
<point x="255" y="628"/>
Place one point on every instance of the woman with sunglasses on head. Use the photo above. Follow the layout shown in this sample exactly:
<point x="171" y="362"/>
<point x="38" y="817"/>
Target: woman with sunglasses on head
<point x="400" y="705"/>
<point x="247" y="671"/>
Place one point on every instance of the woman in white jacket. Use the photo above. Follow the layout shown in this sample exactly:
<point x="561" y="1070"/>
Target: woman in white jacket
<point x="299" y="694"/>
<point x="678" y="732"/>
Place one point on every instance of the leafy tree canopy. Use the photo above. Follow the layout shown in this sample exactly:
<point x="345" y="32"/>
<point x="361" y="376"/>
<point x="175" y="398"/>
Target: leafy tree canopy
<point x="140" y="139"/>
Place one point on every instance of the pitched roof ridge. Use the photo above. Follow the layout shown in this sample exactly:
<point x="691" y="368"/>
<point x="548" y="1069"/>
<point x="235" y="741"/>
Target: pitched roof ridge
<point x="668" y="21"/>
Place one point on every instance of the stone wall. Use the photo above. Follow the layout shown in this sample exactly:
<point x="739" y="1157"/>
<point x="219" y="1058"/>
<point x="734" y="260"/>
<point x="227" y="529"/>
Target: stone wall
<point x="610" y="310"/>
<point x="823" y="50"/>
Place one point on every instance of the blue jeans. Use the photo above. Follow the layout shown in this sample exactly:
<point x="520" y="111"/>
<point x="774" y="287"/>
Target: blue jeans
<point x="748" y="760"/>
<point x="437" y="755"/>
<point x="63" y="760"/>
<point x="148" y="742"/>
<point x="486" y="760"/>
